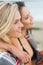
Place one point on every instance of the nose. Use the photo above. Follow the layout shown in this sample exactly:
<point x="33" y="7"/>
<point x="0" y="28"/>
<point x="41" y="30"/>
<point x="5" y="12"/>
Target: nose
<point x="31" y="19"/>
<point x="21" y="24"/>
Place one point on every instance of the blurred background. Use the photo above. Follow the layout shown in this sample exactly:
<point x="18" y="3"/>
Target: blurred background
<point x="36" y="9"/>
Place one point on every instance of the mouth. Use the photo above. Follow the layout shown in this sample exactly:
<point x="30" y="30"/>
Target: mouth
<point x="20" y="31"/>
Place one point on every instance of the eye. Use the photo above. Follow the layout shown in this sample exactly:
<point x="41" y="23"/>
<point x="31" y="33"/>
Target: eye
<point x="16" y="22"/>
<point x="26" y="17"/>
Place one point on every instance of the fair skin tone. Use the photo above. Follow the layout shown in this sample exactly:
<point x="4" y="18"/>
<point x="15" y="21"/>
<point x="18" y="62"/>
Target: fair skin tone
<point x="27" y="20"/>
<point x="16" y="28"/>
<point x="24" y="41"/>
<point x="25" y="13"/>
<point x="28" y="23"/>
<point x="15" y="32"/>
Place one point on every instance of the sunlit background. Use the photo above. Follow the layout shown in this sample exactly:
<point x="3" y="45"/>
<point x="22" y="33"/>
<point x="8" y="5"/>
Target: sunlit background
<point x="35" y="7"/>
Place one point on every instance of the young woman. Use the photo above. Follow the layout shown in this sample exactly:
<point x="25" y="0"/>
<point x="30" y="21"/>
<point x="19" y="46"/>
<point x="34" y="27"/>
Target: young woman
<point x="10" y="28"/>
<point x="27" y="20"/>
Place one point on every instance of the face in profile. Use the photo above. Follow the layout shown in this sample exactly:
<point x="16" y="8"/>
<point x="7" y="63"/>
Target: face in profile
<point x="27" y="19"/>
<point x="16" y="29"/>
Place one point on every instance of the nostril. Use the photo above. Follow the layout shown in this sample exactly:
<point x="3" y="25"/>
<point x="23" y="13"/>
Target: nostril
<point x="21" y="24"/>
<point x="31" y="18"/>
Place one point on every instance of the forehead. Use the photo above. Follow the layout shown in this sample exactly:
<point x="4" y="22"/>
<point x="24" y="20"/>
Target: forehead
<point x="17" y="15"/>
<point x="24" y="11"/>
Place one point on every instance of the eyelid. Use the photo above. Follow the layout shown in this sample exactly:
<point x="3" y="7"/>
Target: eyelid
<point x="27" y="16"/>
<point x="16" y="22"/>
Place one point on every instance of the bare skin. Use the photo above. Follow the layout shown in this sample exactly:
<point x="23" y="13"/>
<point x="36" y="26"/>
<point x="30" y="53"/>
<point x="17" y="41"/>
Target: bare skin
<point x="15" y="32"/>
<point x="22" y="55"/>
<point x="27" y="20"/>
<point x="27" y="47"/>
<point x="24" y="43"/>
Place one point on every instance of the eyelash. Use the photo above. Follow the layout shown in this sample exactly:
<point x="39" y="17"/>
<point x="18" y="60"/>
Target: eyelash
<point x="26" y="17"/>
<point x="15" y="22"/>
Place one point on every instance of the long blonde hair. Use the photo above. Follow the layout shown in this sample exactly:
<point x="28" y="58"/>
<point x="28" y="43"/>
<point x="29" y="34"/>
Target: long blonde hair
<point x="7" y="15"/>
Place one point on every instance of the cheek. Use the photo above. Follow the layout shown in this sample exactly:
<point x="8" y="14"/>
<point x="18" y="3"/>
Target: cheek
<point x="26" y="22"/>
<point x="28" y="26"/>
<point x="15" y="29"/>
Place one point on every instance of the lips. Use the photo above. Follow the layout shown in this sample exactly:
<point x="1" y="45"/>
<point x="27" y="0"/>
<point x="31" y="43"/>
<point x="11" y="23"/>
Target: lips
<point x="20" y="31"/>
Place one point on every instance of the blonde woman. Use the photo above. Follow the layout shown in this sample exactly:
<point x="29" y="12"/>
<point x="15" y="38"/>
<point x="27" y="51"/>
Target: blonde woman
<point x="10" y="28"/>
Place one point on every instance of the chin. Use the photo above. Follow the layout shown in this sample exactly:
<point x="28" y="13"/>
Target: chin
<point x="20" y="35"/>
<point x="29" y="27"/>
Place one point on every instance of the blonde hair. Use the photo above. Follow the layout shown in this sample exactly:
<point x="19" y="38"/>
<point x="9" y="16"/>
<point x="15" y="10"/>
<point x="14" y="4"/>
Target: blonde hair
<point x="7" y="15"/>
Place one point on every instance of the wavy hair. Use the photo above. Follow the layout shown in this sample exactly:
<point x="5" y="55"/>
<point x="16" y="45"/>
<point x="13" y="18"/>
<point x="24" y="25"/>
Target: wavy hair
<point x="7" y="15"/>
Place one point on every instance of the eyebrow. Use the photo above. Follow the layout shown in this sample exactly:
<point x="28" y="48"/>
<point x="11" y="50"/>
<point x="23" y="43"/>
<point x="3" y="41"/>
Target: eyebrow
<point x="17" y="19"/>
<point x="26" y="16"/>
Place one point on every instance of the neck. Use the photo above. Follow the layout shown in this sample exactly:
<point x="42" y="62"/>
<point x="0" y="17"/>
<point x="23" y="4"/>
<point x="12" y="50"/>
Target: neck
<point x="23" y="32"/>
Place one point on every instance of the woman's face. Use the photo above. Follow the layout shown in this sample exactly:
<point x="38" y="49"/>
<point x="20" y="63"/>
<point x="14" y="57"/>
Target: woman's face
<point x="27" y="19"/>
<point x="16" y="29"/>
